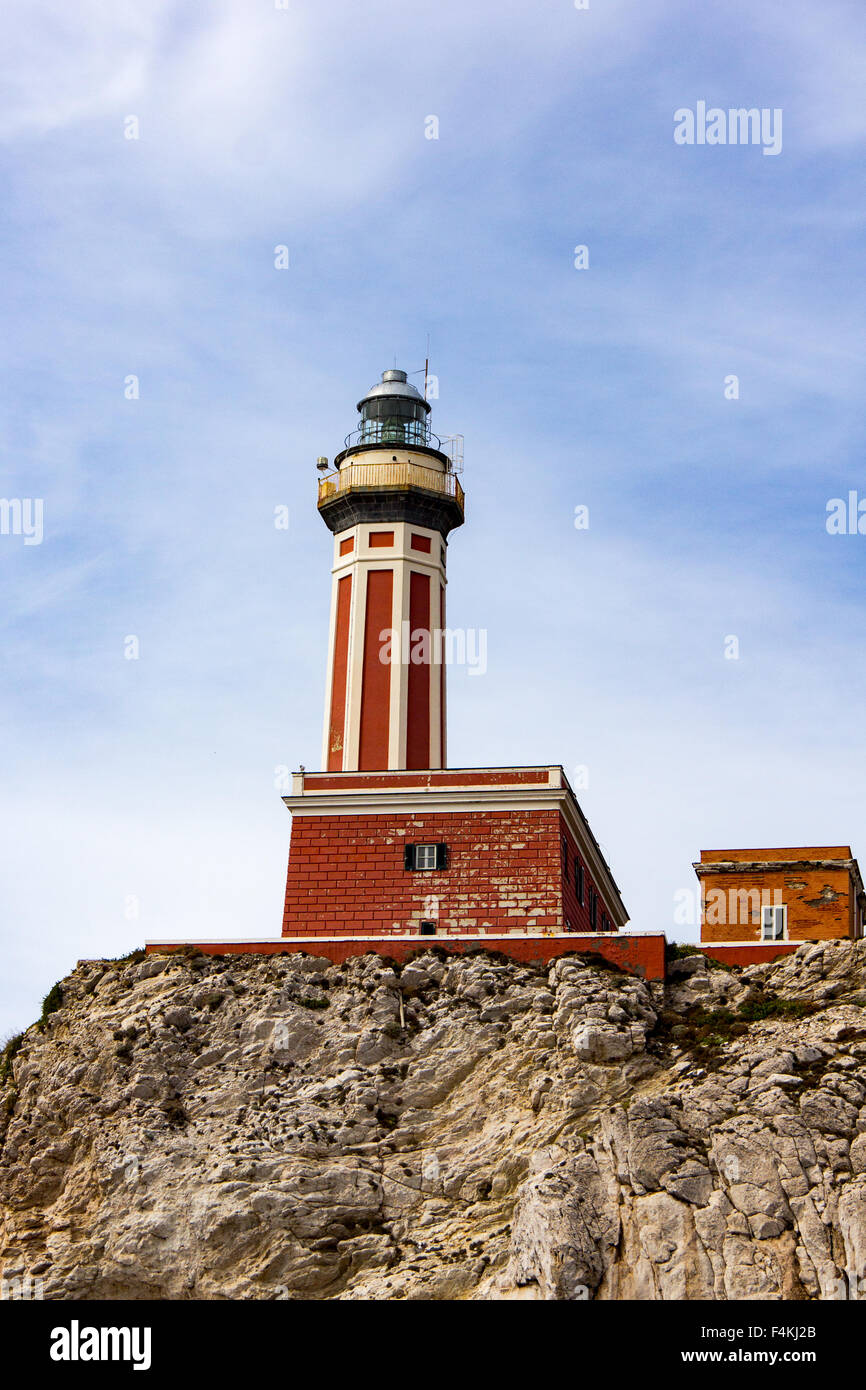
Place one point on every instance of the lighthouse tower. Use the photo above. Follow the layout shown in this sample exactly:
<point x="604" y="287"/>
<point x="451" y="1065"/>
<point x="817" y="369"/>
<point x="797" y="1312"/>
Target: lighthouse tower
<point x="387" y="840"/>
<point x="390" y="502"/>
<point x="389" y="845"/>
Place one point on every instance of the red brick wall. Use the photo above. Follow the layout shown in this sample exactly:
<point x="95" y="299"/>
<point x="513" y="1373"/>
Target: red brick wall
<point x="820" y="903"/>
<point x="346" y="874"/>
<point x="576" y="914"/>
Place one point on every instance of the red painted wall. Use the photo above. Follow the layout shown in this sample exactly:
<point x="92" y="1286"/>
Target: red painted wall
<point x="418" y="693"/>
<point x="750" y="955"/>
<point x="337" y="724"/>
<point x="638" y="955"/>
<point x="443" y="751"/>
<point x="452" y="777"/>
<point x="376" y="680"/>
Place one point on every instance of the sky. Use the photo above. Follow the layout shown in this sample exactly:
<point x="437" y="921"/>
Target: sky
<point x="165" y="387"/>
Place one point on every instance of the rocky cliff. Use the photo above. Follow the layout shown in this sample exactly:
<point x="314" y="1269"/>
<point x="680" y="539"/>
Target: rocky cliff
<point x="276" y="1127"/>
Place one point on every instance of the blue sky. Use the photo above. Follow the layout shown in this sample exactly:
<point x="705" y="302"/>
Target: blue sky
<point x="148" y="785"/>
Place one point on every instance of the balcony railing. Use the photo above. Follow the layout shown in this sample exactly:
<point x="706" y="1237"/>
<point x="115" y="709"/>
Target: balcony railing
<point x="395" y="430"/>
<point x="390" y="475"/>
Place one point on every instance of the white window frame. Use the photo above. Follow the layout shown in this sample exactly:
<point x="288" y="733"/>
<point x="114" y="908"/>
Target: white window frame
<point x="422" y="853"/>
<point x="771" y="913"/>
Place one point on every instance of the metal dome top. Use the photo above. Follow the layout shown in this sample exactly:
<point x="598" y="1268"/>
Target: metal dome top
<point x="394" y="384"/>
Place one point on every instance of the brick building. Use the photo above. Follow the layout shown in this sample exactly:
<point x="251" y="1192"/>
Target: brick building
<point x="386" y="840"/>
<point x="812" y="893"/>
<point x="446" y="853"/>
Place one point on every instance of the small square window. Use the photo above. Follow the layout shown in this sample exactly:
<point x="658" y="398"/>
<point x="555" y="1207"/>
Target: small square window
<point x="426" y="857"/>
<point x="773" y="922"/>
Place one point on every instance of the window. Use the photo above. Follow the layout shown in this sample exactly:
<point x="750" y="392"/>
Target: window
<point x="579" y="885"/>
<point x="774" y="920"/>
<point x="420" y="857"/>
<point x="593" y="909"/>
<point x="428" y="928"/>
<point x="564" y="847"/>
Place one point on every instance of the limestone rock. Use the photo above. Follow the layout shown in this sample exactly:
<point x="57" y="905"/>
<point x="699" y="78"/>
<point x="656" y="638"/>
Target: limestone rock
<point x="462" y="1127"/>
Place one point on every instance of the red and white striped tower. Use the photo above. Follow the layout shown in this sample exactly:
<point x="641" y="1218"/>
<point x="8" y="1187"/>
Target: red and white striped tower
<point x="390" y="503"/>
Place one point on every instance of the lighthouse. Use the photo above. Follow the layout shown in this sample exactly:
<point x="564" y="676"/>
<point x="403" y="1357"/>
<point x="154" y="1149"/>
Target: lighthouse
<point x="388" y="841"/>
<point x="389" y="844"/>
<point x="391" y="502"/>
